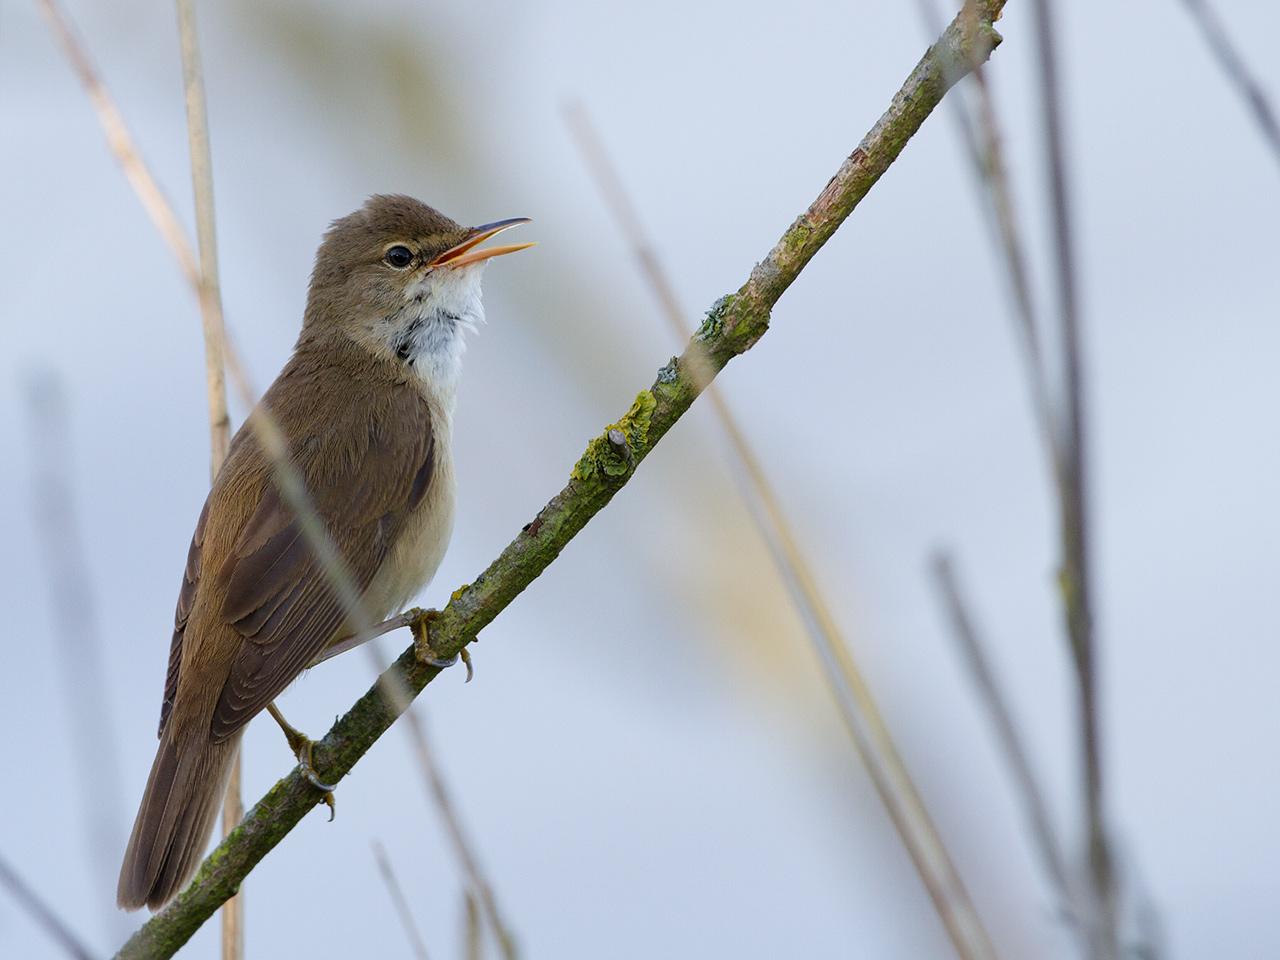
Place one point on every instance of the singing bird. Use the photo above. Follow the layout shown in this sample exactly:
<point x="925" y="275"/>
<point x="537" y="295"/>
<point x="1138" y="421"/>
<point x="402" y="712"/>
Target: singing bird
<point x="365" y="407"/>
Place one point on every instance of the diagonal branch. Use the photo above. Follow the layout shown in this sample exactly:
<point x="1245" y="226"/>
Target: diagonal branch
<point x="731" y="327"/>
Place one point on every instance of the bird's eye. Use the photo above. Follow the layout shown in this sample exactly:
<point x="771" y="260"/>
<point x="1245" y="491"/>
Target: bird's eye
<point x="398" y="257"/>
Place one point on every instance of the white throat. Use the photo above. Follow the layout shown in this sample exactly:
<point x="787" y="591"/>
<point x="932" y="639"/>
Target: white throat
<point x="429" y="332"/>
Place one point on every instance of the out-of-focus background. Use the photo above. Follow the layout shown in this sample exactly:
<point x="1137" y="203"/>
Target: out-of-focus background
<point x="649" y="760"/>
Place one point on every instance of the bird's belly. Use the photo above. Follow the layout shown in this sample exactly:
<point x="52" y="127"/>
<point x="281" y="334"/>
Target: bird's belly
<point x="418" y="550"/>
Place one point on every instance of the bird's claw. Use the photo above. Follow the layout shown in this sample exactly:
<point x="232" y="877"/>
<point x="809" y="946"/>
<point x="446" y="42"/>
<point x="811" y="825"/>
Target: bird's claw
<point x="309" y="774"/>
<point x="302" y="746"/>
<point x="420" y="624"/>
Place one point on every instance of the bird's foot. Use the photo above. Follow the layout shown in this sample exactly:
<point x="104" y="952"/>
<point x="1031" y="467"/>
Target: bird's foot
<point x="420" y="624"/>
<point x="302" y="747"/>
<point x="309" y="774"/>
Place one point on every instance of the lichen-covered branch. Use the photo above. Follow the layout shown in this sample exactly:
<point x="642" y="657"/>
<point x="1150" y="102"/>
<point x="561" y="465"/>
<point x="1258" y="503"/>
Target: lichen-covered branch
<point x="731" y="327"/>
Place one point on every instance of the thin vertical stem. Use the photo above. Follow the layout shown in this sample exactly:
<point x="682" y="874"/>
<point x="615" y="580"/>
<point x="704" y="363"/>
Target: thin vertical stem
<point x="980" y="133"/>
<point x="210" y="294"/>
<point x="74" y="614"/>
<point x="1074" y="506"/>
<point x="206" y="236"/>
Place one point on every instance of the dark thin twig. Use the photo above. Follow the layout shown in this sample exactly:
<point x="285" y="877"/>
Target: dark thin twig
<point x="472" y="932"/>
<point x="980" y="134"/>
<point x="42" y="913"/>
<point x="1076" y="581"/>
<point x="981" y="137"/>
<point x="74" y="614"/>
<point x="857" y="706"/>
<point x="1015" y="751"/>
<point x="1237" y="71"/>
<point x="463" y="848"/>
<point x="398" y="900"/>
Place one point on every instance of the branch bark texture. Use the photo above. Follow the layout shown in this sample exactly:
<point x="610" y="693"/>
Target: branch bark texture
<point x="732" y="326"/>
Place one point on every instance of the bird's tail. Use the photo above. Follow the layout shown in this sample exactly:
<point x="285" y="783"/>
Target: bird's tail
<point x="175" y="819"/>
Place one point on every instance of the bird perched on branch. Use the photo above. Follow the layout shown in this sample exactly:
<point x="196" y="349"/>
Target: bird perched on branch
<point x="364" y="408"/>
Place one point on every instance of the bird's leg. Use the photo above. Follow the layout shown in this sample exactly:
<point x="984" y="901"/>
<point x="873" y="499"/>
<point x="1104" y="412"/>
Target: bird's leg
<point x="417" y="620"/>
<point x="420" y="624"/>
<point x="302" y="745"/>
<point x="343" y="644"/>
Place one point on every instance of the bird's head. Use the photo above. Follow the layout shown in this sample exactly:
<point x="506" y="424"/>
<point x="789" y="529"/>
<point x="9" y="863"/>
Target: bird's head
<point x="403" y="280"/>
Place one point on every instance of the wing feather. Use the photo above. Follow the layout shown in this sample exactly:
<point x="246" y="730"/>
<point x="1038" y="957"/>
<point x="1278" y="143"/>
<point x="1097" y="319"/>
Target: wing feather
<point x="365" y="475"/>
<point x="186" y="599"/>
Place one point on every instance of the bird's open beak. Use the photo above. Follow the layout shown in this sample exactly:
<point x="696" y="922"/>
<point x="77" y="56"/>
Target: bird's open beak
<point x="464" y="253"/>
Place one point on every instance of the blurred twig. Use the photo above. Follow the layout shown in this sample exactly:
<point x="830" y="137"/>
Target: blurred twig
<point x="398" y="900"/>
<point x="857" y="706"/>
<point x="733" y="326"/>
<point x="1237" y="71"/>
<point x="122" y="146"/>
<point x="73" y="610"/>
<point x="473" y="936"/>
<point x="210" y="295"/>
<point x="993" y="697"/>
<point x="980" y="133"/>
<point x="1064" y="433"/>
<point x="1075" y="575"/>
<point x="463" y="848"/>
<point x="42" y="913"/>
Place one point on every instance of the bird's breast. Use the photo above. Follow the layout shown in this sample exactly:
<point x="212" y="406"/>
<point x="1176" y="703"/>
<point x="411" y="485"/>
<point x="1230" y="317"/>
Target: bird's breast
<point x="421" y="544"/>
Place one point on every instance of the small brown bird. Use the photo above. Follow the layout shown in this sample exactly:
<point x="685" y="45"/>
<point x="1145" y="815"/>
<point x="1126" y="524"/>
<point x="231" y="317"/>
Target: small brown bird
<point x="365" y="405"/>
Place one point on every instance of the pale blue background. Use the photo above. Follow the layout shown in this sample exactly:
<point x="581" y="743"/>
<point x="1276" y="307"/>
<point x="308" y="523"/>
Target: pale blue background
<point x="648" y="758"/>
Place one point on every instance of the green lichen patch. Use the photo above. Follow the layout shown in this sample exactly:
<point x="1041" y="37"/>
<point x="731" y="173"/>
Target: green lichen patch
<point x="714" y="319"/>
<point x="604" y="459"/>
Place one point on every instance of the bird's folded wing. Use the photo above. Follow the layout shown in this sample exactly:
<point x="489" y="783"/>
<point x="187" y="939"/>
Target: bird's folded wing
<point x="186" y="598"/>
<point x="364" y="477"/>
